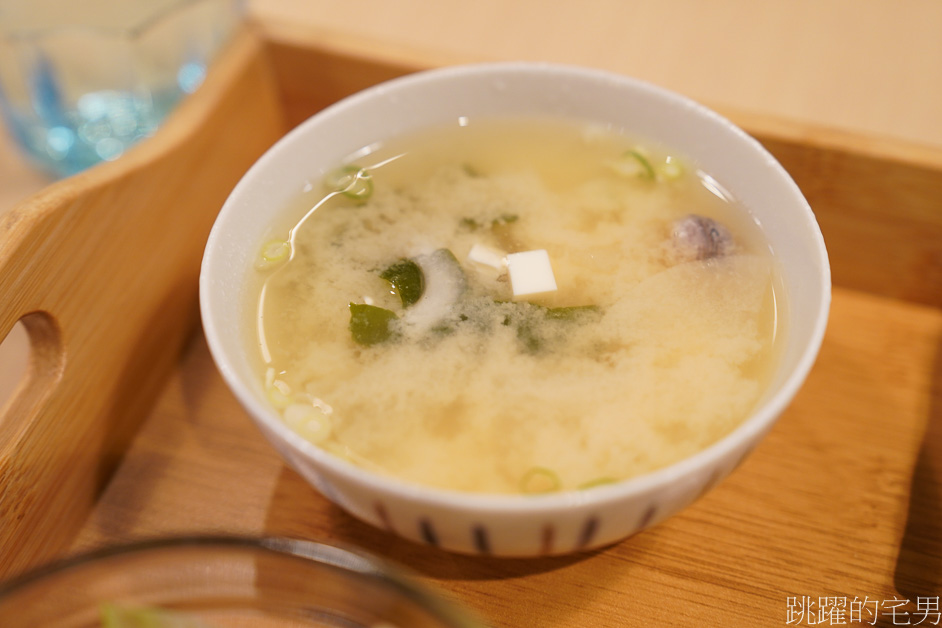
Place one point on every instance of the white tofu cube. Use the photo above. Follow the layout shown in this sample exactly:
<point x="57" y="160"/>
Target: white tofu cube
<point x="531" y="273"/>
<point x="483" y="254"/>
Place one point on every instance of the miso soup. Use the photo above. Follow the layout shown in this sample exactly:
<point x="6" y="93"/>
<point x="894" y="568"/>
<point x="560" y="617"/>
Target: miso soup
<point x="513" y="305"/>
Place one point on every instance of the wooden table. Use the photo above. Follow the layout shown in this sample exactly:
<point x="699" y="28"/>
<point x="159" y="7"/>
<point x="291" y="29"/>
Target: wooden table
<point x="127" y="430"/>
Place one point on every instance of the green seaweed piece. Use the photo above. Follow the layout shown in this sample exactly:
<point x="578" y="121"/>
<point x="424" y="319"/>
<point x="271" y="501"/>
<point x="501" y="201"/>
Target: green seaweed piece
<point x="470" y="224"/>
<point x="471" y="171"/>
<point x="531" y="341"/>
<point x="504" y="219"/>
<point x="573" y="312"/>
<point x="407" y="280"/>
<point x="370" y="324"/>
<point x="530" y="332"/>
<point x="473" y="225"/>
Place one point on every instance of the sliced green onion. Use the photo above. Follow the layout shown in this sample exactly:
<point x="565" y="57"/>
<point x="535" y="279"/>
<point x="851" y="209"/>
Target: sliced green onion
<point x="407" y="280"/>
<point x="597" y="482"/>
<point x="672" y="169"/>
<point x="120" y="616"/>
<point x="279" y="394"/>
<point x="370" y="324"/>
<point x="274" y="252"/>
<point x="352" y="181"/>
<point x="647" y="171"/>
<point x="540" y="480"/>
<point x="634" y="163"/>
<point x="311" y="423"/>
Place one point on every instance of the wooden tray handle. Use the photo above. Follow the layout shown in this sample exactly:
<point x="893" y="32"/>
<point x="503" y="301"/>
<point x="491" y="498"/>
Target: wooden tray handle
<point x="102" y="269"/>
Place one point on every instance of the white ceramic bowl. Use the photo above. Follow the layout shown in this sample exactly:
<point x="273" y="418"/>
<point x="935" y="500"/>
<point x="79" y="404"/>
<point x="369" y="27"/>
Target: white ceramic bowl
<point x="515" y="525"/>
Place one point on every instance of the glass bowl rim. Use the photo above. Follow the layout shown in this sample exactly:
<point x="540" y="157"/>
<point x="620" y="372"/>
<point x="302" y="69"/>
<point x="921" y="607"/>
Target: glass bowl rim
<point x="350" y="561"/>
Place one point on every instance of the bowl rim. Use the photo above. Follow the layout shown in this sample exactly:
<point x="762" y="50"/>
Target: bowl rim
<point x="762" y="418"/>
<point x="354" y="562"/>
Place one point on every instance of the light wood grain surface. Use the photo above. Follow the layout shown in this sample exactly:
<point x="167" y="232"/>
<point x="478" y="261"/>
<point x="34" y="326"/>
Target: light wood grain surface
<point x="844" y="498"/>
<point x="867" y="66"/>
<point x="101" y="268"/>
<point x="818" y="510"/>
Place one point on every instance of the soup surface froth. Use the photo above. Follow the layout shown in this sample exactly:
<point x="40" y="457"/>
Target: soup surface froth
<point x="396" y="328"/>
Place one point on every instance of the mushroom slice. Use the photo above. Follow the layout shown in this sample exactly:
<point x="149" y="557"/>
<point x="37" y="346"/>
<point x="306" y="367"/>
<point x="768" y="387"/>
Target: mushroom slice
<point x="696" y="237"/>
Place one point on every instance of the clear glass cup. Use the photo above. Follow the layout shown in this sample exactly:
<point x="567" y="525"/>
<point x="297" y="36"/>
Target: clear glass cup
<point x="81" y="81"/>
<point x="225" y="583"/>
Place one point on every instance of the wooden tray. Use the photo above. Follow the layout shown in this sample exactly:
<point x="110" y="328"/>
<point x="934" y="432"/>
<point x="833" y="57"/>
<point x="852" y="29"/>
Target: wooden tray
<point x="123" y="429"/>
